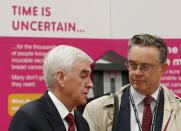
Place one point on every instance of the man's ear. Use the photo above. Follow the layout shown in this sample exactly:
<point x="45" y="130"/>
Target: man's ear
<point x="59" y="77"/>
<point x="164" y="68"/>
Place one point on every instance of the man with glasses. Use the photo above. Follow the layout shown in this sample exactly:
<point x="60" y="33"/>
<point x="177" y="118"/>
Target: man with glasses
<point x="145" y="104"/>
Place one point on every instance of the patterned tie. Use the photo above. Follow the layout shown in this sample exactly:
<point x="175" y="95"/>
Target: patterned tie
<point x="70" y="120"/>
<point x="147" y="114"/>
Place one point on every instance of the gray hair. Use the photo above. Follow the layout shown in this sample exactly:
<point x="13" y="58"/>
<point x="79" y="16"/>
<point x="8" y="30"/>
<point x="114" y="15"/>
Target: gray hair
<point x="61" y="57"/>
<point x="151" y="41"/>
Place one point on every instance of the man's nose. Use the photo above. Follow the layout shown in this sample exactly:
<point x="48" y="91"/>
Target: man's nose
<point x="138" y="70"/>
<point x="89" y="83"/>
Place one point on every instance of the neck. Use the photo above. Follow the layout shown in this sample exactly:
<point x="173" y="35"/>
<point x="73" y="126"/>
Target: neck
<point x="65" y="100"/>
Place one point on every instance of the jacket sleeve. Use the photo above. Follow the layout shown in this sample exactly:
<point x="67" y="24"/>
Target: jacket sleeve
<point x="22" y="122"/>
<point x="99" y="113"/>
<point x="89" y="116"/>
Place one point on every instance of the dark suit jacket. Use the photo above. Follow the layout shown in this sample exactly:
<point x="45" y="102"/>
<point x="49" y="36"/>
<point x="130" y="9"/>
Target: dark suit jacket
<point x="42" y="115"/>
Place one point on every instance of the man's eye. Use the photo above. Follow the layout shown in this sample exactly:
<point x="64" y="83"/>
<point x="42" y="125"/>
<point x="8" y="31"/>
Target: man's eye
<point x="146" y="67"/>
<point x="83" y="76"/>
<point x="133" y="66"/>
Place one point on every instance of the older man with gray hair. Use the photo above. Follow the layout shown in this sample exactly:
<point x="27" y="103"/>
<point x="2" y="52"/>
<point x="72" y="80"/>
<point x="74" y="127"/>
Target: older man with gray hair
<point x="66" y="71"/>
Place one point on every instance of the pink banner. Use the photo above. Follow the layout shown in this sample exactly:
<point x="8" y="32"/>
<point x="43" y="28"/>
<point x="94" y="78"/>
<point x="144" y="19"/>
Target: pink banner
<point x="21" y="67"/>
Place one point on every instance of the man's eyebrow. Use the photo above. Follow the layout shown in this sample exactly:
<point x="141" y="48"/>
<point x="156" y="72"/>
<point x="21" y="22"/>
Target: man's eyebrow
<point x="131" y="61"/>
<point x="85" y="71"/>
<point x="134" y="62"/>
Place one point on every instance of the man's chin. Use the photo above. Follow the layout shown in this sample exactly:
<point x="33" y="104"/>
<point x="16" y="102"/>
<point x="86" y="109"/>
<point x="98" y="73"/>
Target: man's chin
<point x="83" y="102"/>
<point x="138" y="85"/>
<point x="140" y="88"/>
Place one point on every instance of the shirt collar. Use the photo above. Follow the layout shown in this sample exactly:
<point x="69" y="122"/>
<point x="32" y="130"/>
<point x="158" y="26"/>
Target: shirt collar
<point x="138" y="97"/>
<point x="63" y="111"/>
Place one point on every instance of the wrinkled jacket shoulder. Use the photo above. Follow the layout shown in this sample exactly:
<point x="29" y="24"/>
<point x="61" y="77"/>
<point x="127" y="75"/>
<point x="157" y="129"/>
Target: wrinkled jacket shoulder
<point x="99" y="112"/>
<point x="172" y="111"/>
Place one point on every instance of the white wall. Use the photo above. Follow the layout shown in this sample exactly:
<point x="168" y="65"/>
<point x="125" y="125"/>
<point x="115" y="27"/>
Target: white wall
<point x="99" y="18"/>
<point x="160" y="17"/>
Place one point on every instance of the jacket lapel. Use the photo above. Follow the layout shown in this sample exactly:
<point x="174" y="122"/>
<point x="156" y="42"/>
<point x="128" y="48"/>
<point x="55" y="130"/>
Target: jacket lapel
<point x="80" y="122"/>
<point x="123" y="121"/>
<point x="109" y="106"/>
<point x="170" y="108"/>
<point x="51" y="114"/>
<point x="159" y="114"/>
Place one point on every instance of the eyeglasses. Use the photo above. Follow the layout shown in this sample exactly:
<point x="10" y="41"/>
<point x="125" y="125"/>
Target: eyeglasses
<point x="143" y="67"/>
